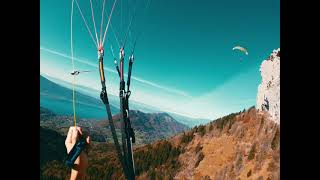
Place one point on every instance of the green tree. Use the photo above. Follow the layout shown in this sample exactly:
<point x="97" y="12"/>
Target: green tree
<point x="252" y="152"/>
<point x="200" y="158"/>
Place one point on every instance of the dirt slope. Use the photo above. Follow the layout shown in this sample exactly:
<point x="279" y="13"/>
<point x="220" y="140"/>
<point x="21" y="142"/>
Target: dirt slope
<point x="245" y="147"/>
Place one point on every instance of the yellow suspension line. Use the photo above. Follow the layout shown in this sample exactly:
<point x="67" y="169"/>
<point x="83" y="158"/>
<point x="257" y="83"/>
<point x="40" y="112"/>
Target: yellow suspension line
<point x="73" y="101"/>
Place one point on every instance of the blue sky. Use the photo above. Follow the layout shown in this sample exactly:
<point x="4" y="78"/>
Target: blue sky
<point x="184" y="61"/>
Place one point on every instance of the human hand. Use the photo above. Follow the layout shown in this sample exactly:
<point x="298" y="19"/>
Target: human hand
<point x="81" y="163"/>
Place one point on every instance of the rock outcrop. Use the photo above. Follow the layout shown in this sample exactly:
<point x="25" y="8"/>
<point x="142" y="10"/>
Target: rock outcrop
<point x="268" y="97"/>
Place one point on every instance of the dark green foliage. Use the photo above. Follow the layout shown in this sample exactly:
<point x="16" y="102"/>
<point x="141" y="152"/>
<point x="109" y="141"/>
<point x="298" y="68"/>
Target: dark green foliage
<point x="152" y="174"/>
<point x="159" y="177"/>
<point x="252" y="107"/>
<point x="202" y="130"/>
<point x="51" y="147"/>
<point x="211" y="127"/>
<point x="239" y="162"/>
<point x="231" y="122"/>
<point x="198" y="148"/>
<point x="195" y="129"/>
<point x="54" y="170"/>
<point x="163" y="153"/>
<point x="187" y="137"/>
<point x="46" y="114"/>
<point x="171" y="177"/>
<point x="200" y="158"/>
<point x="275" y="140"/>
<point x="229" y="119"/>
<point x="252" y="152"/>
<point x="103" y="163"/>
<point x="261" y="123"/>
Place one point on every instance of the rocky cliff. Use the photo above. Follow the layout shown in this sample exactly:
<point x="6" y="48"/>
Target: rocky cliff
<point x="268" y="97"/>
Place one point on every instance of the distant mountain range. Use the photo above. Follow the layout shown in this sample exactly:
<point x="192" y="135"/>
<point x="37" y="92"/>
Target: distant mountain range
<point x="154" y="126"/>
<point x="148" y="127"/>
<point x="190" y="122"/>
<point x="59" y="100"/>
<point x="114" y="100"/>
<point x="56" y="95"/>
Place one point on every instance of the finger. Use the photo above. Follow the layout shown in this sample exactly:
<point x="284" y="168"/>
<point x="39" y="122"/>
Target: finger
<point x="74" y="136"/>
<point x="79" y="129"/>
<point x="88" y="140"/>
<point x="69" y="135"/>
<point x="88" y="147"/>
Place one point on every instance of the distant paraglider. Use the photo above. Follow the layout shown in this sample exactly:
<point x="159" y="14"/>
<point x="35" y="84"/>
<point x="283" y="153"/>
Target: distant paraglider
<point x="242" y="49"/>
<point x="77" y="72"/>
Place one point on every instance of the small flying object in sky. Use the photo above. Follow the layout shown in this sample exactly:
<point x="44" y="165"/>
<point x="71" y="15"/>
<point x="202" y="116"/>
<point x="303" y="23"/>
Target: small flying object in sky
<point x="77" y="72"/>
<point x="242" y="49"/>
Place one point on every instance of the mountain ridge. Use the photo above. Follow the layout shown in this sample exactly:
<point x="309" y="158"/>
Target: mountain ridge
<point x="148" y="126"/>
<point x="64" y="88"/>
<point x="59" y="100"/>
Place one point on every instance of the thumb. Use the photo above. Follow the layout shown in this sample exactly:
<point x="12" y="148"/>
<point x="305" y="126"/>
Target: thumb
<point x="74" y="135"/>
<point x="88" y="140"/>
<point x="88" y="147"/>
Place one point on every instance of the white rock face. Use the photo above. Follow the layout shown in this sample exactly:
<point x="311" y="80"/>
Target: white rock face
<point x="268" y="97"/>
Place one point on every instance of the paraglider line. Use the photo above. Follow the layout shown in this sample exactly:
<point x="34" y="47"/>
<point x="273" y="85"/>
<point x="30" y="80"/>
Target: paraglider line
<point x="112" y="29"/>
<point x="140" y="32"/>
<point x="116" y="37"/>
<point x="102" y="21"/>
<point x="126" y="35"/>
<point x="105" y="32"/>
<point x="94" y="23"/>
<point x="72" y="61"/>
<point x="85" y="22"/>
<point x="112" y="50"/>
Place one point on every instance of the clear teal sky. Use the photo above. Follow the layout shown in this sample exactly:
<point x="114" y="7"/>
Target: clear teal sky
<point x="184" y="59"/>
